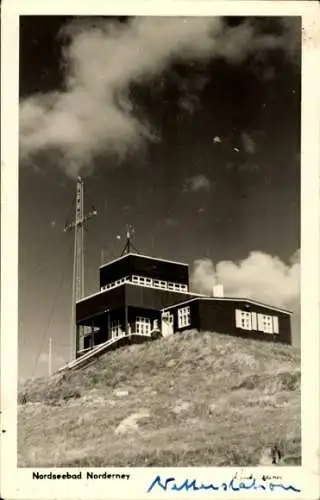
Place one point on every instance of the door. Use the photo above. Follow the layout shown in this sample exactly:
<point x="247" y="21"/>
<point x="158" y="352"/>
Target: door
<point x="167" y="324"/>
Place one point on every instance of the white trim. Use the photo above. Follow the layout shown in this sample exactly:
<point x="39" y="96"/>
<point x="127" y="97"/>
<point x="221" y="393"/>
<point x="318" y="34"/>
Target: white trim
<point x="232" y="299"/>
<point x="254" y="321"/>
<point x="144" y="286"/>
<point x="195" y="296"/>
<point x="146" y="257"/>
<point x="238" y="318"/>
<point x="275" y="324"/>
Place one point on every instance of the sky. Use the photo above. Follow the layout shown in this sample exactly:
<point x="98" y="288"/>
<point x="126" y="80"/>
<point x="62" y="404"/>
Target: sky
<point x="186" y="128"/>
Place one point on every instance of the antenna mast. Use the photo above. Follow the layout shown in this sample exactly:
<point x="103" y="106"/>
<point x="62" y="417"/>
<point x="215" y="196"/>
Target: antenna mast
<point x="78" y="259"/>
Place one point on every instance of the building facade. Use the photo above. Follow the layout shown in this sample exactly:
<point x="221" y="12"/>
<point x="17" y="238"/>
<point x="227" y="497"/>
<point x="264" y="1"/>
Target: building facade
<point x="142" y="296"/>
<point x="237" y="317"/>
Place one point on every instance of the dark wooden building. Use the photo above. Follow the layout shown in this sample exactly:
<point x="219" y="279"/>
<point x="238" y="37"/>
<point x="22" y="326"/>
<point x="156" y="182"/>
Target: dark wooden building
<point x="140" y="296"/>
<point x="233" y="316"/>
<point x="133" y="291"/>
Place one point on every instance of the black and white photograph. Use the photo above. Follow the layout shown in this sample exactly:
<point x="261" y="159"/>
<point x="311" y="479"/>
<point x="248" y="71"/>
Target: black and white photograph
<point x="159" y="195"/>
<point x="159" y="241"/>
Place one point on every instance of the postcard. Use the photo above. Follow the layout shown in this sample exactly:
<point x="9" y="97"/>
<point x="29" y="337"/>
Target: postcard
<point x="160" y="250"/>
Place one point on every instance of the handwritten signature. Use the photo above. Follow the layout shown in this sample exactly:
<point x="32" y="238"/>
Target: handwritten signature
<point x="250" y="483"/>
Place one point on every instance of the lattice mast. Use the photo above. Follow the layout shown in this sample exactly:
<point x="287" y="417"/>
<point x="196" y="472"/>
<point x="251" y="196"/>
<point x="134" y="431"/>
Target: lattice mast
<point x="78" y="258"/>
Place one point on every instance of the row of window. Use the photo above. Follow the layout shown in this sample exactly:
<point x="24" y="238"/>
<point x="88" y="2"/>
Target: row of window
<point x="142" y="326"/>
<point x="244" y="319"/>
<point x="259" y="322"/>
<point x="149" y="282"/>
<point x="145" y="325"/>
<point x="184" y="317"/>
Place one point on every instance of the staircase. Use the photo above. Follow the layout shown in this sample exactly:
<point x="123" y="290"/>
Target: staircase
<point x="83" y="360"/>
<point x="97" y="351"/>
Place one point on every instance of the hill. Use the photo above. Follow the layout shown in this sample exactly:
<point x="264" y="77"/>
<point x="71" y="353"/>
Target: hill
<point x="188" y="400"/>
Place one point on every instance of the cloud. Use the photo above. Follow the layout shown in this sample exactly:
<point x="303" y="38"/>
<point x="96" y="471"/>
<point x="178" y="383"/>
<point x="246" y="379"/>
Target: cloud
<point x="197" y="183"/>
<point x="259" y="276"/>
<point x="95" y="112"/>
<point x="248" y="143"/>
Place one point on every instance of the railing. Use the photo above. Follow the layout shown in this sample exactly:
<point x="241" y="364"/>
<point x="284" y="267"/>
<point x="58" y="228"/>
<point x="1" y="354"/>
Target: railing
<point x="92" y="353"/>
<point x="99" y="349"/>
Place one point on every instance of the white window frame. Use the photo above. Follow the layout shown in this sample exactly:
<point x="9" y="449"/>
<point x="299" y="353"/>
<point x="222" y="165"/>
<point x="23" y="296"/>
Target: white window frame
<point x="268" y="324"/>
<point x="143" y="325"/>
<point x="243" y="319"/>
<point x="147" y="282"/>
<point x="184" y="317"/>
<point x="116" y="330"/>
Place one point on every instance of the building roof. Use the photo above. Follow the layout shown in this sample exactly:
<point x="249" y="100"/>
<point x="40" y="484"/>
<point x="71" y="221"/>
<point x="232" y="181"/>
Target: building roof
<point x="232" y="299"/>
<point x="145" y="257"/>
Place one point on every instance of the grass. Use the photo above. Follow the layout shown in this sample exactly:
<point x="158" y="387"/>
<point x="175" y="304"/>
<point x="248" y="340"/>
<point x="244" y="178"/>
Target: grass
<point x="212" y="400"/>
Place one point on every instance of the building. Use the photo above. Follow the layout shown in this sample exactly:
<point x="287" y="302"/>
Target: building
<point x="233" y="316"/>
<point x="141" y="297"/>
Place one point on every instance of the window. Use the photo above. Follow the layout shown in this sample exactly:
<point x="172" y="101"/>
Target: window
<point x="148" y="282"/>
<point x="246" y="320"/>
<point x="135" y="279"/>
<point x="268" y="324"/>
<point x="170" y="286"/>
<point x="243" y="320"/>
<point x="184" y="288"/>
<point x="116" y="329"/>
<point x="143" y="325"/>
<point x="156" y="283"/>
<point x="163" y="284"/>
<point x="184" y="317"/>
<point x="257" y="322"/>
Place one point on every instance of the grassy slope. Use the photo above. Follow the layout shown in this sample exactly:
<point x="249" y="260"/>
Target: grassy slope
<point x="212" y="399"/>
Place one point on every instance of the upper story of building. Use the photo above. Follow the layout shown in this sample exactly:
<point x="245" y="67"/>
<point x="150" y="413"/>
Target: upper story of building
<point x="145" y="271"/>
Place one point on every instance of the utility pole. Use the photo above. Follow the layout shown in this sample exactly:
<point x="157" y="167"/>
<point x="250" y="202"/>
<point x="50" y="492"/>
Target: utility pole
<point x="50" y="358"/>
<point x="78" y="258"/>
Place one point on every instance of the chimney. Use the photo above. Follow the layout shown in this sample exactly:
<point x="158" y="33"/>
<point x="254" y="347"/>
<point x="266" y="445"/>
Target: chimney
<point x="218" y="291"/>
